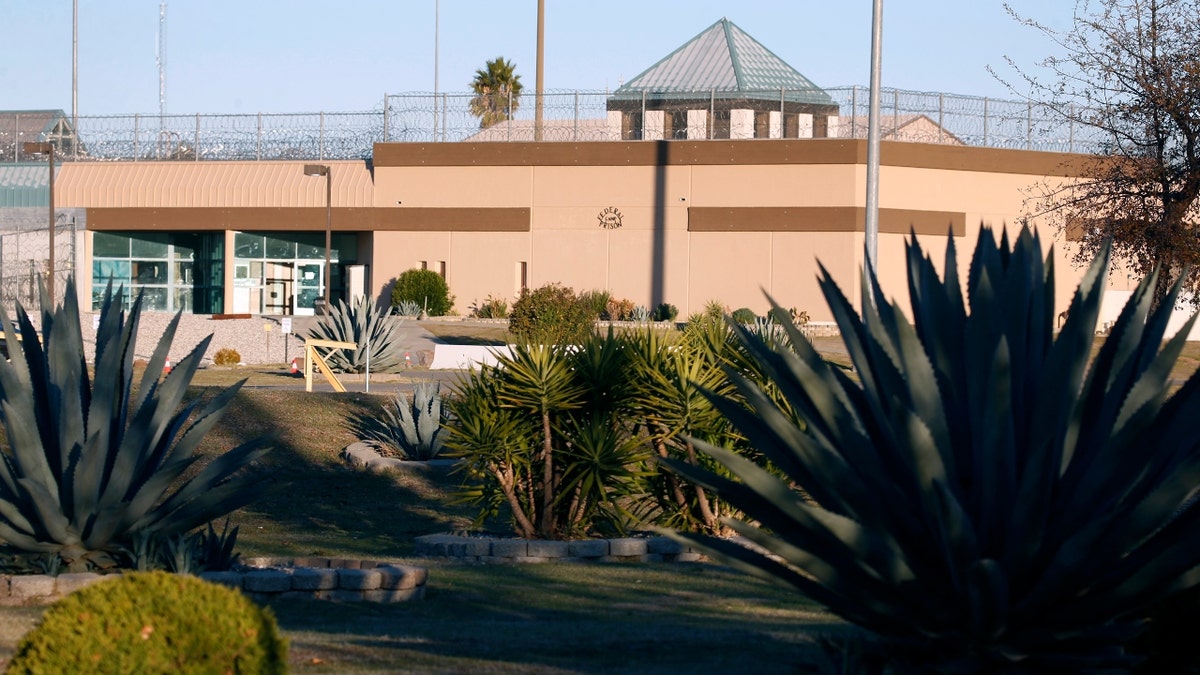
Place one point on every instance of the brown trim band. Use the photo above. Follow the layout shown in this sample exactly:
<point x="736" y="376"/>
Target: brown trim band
<point x="304" y="219"/>
<point x="424" y="219"/>
<point x="822" y="219"/>
<point x="815" y="151"/>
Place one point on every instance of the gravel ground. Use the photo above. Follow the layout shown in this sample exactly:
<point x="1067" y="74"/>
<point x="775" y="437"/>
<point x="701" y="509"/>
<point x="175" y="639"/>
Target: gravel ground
<point x="259" y="340"/>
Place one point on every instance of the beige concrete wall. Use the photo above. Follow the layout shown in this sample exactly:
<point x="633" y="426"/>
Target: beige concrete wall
<point x="569" y="190"/>
<point x="443" y="186"/>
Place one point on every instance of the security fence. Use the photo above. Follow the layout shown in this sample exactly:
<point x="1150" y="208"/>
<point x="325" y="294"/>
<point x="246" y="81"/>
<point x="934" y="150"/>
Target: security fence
<point x="25" y="253"/>
<point x="567" y="116"/>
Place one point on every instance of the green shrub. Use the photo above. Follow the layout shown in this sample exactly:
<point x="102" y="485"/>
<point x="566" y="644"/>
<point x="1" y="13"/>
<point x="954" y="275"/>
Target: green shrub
<point x="491" y="308"/>
<point x="744" y="315"/>
<point x="597" y="302"/>
<point x="984" y="495"/>
<point x="550" y="315"/>
<point x="666" y="312"/>
<point x="368" y="328"/>
<point x="153" y="622"/>
<point x="227" y="356"/>
<point x="95" y="462"/>
<point x="426" y="288"/>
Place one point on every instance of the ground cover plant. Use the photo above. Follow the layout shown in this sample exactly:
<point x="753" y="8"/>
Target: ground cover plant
<point x="983" y="496"/>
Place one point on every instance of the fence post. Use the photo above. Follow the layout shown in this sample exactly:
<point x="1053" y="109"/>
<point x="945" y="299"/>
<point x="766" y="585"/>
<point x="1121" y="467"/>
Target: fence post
<point x="941" y="115"/>
<point x="258" y="140"/>
<point x="782" y="123"/>
<point x="196" y="145"/>
<point x="642" y="131"/>
<point x="895" y="114"/>
<point x="853" y="112"/>
<point x="985" y="120"/>
<point x="137" y="119"/>
<point x="1029" y="126"/>
<point x="575" y="134"/>
<point x="385" y="119"/>
<point x="712" y="110"/>
<point x="321" y="137"/>
<point x="1071" y="130"/>
<point x="443" y="117"/>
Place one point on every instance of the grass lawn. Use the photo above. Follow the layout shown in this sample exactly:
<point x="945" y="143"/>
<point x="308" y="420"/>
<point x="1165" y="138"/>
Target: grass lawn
<point x="558" y="618"/>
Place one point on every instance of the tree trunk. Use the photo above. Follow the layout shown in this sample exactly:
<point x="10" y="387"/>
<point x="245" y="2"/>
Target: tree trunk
<point x="710" y="521"/>
<point x="548" y="520"/>
<point x="507" y="482"/>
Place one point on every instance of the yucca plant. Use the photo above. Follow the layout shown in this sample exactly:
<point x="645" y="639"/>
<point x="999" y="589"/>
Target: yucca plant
<point x="93" y="464"/>
<point x="982" y="494"/>
<point x="366" y="326"/>
<point x="544" y="433"/>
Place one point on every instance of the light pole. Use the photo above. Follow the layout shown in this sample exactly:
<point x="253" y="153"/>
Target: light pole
<point x="871" y="227"/>
<point x="47" y="149"/>
<point x="323" y="170"/>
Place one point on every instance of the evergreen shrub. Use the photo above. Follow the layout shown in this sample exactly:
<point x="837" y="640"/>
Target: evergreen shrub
<point x="153" y="622"/>
<point x="550" y="315"/>
<point x="426" y="288"/>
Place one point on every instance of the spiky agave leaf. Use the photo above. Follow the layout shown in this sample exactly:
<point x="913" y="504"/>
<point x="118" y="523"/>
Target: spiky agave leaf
<point x="364" y="325"/>
<point x="93" y="464"/>
<point x="981" y="496"/>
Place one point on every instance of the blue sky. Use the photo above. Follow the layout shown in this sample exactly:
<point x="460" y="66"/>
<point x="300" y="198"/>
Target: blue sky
<point x="306" y="56"/>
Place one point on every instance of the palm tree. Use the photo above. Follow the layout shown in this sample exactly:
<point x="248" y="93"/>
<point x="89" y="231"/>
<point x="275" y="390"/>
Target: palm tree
<point x="497" y="90"/>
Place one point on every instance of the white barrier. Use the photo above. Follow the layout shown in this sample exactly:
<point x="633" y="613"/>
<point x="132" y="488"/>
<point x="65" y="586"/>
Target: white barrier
<point x="465" y="357"/>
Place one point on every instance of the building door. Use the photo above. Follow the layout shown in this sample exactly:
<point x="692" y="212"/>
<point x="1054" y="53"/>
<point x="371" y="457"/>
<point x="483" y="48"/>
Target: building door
<point x="277" y="288"/>
<point x="309" y="286"/>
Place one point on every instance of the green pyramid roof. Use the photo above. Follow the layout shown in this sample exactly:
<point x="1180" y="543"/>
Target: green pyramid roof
<point x="724" y="59"/>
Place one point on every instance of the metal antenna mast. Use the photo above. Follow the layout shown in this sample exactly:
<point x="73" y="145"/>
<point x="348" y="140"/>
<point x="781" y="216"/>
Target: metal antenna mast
<point x="161" y="59"/>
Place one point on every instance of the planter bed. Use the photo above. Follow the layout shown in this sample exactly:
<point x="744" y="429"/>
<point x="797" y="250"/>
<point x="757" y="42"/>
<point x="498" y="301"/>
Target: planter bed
<point x="261" y="579"/>
<point x="499" y="549"/>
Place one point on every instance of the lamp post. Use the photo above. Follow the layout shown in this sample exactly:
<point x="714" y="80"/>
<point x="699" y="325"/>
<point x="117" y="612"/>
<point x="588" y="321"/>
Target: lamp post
<point x="47" y="149"/>
<point x="323" y="170"/>
<point x="871" y="227"/>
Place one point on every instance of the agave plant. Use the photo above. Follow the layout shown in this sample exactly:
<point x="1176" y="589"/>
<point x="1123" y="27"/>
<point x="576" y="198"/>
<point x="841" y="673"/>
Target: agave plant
<point x="415" y="429"/>
<point x="984" y="495"/>
<point x="93" y="464"/>
<point x="364" y="325"/>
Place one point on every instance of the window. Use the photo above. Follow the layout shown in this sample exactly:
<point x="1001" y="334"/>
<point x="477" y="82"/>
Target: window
<point x="170" y="271"/>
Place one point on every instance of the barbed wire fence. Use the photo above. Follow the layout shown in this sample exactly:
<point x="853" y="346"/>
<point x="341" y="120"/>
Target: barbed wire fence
<point x="568" y="116"/>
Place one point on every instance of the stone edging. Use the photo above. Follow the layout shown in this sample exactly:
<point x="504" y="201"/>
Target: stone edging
<point x="261" y="579"/>
<point x="502" y="550"/>
<point x="362" y="455"/>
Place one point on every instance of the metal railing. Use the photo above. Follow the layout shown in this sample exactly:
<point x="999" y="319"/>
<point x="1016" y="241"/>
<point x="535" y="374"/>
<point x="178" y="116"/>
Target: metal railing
<point x="568" y="116"/>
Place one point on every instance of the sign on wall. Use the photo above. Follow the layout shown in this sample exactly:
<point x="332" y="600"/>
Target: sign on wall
<point x="610" y="218"/>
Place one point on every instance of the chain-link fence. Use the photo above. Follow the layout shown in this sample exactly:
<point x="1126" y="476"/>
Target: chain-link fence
<point x="567" y="116"/>
<point x="25" y="253"/>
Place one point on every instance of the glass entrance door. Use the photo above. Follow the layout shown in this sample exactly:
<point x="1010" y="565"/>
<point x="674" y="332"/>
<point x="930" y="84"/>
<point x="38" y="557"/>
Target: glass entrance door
<point x="309" y="286"/>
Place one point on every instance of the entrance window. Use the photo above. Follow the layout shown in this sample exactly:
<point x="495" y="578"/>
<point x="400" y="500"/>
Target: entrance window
<point x="284" y="273"/>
